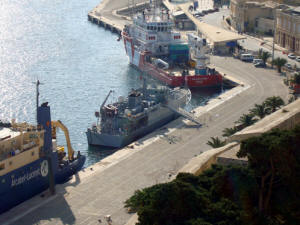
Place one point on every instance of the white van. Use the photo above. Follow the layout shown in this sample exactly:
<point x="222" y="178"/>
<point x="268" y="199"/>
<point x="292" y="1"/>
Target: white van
<point x="247" y="57"/>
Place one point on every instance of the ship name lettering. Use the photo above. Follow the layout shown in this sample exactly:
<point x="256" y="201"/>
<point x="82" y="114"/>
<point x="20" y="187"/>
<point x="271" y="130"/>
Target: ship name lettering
<point x="25" y="177"/>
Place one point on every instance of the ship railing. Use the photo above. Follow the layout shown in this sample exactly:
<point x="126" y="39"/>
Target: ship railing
<point x="8" y="153"/>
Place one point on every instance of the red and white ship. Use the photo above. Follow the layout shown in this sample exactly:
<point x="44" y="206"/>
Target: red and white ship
<point x="156" y="49"/>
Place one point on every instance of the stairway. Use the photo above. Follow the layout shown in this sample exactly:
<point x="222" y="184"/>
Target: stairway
<point x="184" y="113"/>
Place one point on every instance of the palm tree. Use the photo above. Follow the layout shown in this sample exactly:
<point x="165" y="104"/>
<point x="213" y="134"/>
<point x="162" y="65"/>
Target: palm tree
<point x="265" y="55"/>
<point x="216" y="142"/>
<point x="260" y="110"/>
<point x="260" y="51"/>
<point x="296" y="78"/>
<point x="246" y="120"/>
<point x="230" y="131"/>
<point x="279" y="62"/>
<point x="273" y="103"/>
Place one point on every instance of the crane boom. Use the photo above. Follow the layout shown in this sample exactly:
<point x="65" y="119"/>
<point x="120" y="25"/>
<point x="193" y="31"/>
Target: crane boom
<point x="105" y="99"/>
<point x="60" y="125"/>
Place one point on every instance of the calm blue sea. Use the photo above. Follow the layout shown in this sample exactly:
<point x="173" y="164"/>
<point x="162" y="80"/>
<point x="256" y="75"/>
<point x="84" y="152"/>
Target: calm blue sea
<point x="77" y="62"/>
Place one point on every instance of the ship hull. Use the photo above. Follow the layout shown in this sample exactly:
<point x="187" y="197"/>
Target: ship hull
<point x="27" y="181"/>
<point x="118" y="141"/>
<point x="137" y="59"/>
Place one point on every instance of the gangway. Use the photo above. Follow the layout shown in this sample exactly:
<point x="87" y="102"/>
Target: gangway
<point x="183" y="113"/>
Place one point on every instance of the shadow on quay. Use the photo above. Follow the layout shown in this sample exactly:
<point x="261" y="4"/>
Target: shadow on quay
<point x="43" y="207"/>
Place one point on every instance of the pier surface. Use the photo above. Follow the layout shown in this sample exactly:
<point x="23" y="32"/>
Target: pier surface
<point x="102" y="188"/>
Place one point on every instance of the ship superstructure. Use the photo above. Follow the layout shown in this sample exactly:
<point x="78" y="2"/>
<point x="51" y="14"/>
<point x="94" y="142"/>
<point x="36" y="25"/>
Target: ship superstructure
<point x="30" y="159"/>
<point x="153" y="46"/>
<point x="144" y="110"/>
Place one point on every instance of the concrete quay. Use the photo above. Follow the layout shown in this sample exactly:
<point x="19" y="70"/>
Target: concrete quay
<point x="105" y="14"/>
<point x="102" y="188"/>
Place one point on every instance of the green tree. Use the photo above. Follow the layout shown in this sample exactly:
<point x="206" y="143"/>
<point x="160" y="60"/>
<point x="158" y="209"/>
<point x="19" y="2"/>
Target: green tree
<point x="227" y="132"/>
<point x="246" y="120"/>
<point x="273" y="103"/>
<point x="279" y="63"/>
<point x="187" y="200"/>
<point x="215" y="142"/>
<point x="260" y="110"/>
<point x="265" y="55"/>
<point x="275" y="159"/>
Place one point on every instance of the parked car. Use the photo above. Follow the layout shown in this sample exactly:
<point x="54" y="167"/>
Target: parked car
<point x="260" y="64"/>
<point x="255" y="61"/>
<point x="198" y="14"/>
<point x="247" y="57"/>
<point x="298" y="58"/>
<point x="292" y="56"/>
<point x="288" y="65"/>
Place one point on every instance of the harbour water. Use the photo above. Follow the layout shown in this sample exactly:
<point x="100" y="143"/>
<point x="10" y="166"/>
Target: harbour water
<point x="77" y="62"/>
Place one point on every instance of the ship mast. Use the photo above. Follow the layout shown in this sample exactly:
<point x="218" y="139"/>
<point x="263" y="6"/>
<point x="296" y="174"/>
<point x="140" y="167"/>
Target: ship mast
<point x="37" y="84"/>
<point x="37" y="98"/>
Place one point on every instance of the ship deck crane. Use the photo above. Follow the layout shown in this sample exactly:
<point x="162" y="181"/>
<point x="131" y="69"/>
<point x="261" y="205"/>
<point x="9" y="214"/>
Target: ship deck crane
<point x="105" y="100"/>
<point x="60" y="125"/>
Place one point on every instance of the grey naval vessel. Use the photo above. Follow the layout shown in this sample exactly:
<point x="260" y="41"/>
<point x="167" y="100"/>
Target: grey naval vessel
<point x="144" y="110"/>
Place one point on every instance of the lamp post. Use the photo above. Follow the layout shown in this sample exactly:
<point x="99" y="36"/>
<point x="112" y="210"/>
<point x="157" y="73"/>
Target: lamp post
<point x="274" y="36"/>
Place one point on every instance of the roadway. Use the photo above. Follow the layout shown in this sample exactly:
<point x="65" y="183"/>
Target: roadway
<point x="89" y="198"/>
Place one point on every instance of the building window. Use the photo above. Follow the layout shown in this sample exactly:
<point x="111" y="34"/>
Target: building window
<point x="279" y="22"/>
